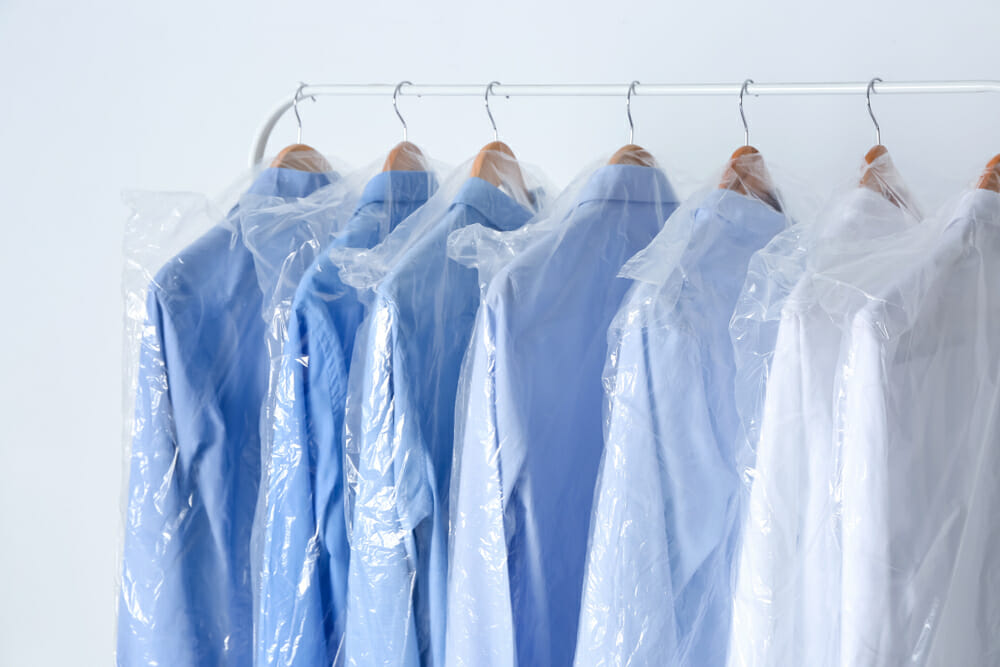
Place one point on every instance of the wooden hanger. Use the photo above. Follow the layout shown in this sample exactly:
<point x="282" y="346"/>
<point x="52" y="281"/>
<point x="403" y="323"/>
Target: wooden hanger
<point x="496" y="162"/>
<point x="878" y="174"/>
<point x="632" y="153"/>
<point x="990" y="180"/>
<point x="405" y="156"/>
<point x="746" y="172"/>
<point x="870" y="175"/>
<point x="299" y="156"/>
<point x="878" y="169"/>
<point x="302" y="158"/>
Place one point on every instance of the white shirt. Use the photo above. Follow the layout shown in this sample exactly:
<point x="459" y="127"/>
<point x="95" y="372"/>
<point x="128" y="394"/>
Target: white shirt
<point x="920" y="446"/>
<point x="788" y="587"/>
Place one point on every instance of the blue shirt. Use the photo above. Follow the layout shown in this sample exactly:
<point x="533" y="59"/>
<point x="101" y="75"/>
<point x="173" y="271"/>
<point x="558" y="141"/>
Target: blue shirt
<point x="304" y="565"/>
<point x="417" y="333"/>
<point x="532" y="430"/>
<point x="657" y="589"/>
<point x="186" y="595"/>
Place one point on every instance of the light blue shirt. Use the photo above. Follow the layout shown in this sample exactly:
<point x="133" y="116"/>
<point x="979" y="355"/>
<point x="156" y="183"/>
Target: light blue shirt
<point x="186" y="595"/>
<point x="531" y="431"/>
<point x="666" y="518"/>
<point x="304" y="566"/>
<point x="417" y="333"/>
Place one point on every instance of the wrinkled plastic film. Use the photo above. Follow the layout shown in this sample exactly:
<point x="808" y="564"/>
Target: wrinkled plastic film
<point x="362" y="269"/>
<point x="488" y="251"/>
<point x="400" y="407"/>
<point x="375" y="418"/>
<point x="863" y="446"/>
<point x="158" y="227"/>
<point x="666" y="512"/>
<point x="300" y="229"/>
<point x="917" y="438"/>
<point x="786" y="571"/>
<point x="300" y="535"/>
<point x="838" y="229"/>
<point x="528" y="427"/>
<point x="195" y="378"/>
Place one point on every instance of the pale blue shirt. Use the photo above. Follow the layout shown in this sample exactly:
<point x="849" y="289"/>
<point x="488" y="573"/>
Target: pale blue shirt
<point x="186" y="595"/>
<point x="531" y="434"/>
<point x="665" y="521"/>
<point x="305" y="561"/>
<point x="417" y="332"/>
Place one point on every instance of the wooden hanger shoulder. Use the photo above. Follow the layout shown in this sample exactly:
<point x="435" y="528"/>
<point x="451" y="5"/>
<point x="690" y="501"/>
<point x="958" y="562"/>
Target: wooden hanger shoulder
<point x="406" y="156"/>
<point x="497" y="164"/>
<point x="301" y="157"/>
<point x="747" y="174"/>
<point x="990" y="180"/>
<point x="634" y="155"/>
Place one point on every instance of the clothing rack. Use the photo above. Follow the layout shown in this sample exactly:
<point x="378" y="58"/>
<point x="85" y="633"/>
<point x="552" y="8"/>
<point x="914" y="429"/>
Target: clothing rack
<point x="614" y="90"/>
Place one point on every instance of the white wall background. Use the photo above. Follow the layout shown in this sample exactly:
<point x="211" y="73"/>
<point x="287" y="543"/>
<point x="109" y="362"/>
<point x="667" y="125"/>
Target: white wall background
<point x="101" y="95"/>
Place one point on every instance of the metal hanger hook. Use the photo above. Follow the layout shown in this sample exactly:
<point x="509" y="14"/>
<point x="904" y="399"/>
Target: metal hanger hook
<point x="868" y="100"/>
<point x="628" y="110"/>
<point x="743" y="117"/>
<point x="295" y="109"/>
<point x="395" y="107"/>
<point x="489" y="89"/>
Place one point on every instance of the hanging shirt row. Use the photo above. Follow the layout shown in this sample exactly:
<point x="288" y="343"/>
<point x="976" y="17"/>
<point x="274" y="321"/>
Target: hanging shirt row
<point x="418" y="417"/>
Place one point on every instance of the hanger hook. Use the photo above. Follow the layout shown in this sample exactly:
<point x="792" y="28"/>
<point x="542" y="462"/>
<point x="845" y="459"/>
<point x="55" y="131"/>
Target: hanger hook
<point x="743" y="117"/>
<point x="489" y="89"/>
<point x="395" y="107"/>
<point x="868" y="99"/>
<point x="628" y="110"/>
<point x="295" y="108"/>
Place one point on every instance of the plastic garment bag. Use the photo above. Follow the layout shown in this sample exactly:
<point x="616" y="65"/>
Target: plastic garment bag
<point x="400" y="415"/>
<point x="918" y="429"/>
<point x="666" y="513"/>
<point x="788" y="329"/>
<point x="197" y="374"/>
<point x="530" y="428"/>
<point x="300" y="530"/>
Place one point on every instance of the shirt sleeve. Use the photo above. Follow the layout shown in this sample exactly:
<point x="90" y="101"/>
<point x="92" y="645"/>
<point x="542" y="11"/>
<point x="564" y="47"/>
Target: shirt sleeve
<point x="381" y="628"/>
<point x="867" y="633"/>
<point x="480" y="630"/>
<point x="155" y="625"/>
<point x="627" y="612"/>
<point x="304" y="565"/>
<point x="764" y="599"/>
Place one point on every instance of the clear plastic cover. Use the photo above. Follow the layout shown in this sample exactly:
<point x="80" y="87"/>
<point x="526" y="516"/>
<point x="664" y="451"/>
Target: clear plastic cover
<point x="380" y="420"/>
<point x="529" y="428"/>
<point x="918" y="398"/>
<point x="300" y="534"/>
<point x="196" y="361"/>
<point x="666" y="511"/>
<point x="399" y="420"/>
<point x="786" y="332"/>
<point x="867" y="385"/>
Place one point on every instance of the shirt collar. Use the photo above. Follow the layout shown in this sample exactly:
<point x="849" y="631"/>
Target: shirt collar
<point x="289" y="183"/>
<point x="748" y="215"/>
<point x="629" y="183"/>
<point x="402" y="187"/>
<point x="500" y="210"/>
<point x="863" y="215"/>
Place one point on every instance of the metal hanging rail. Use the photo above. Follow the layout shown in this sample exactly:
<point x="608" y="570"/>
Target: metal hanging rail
<point x="617" y="89"/>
